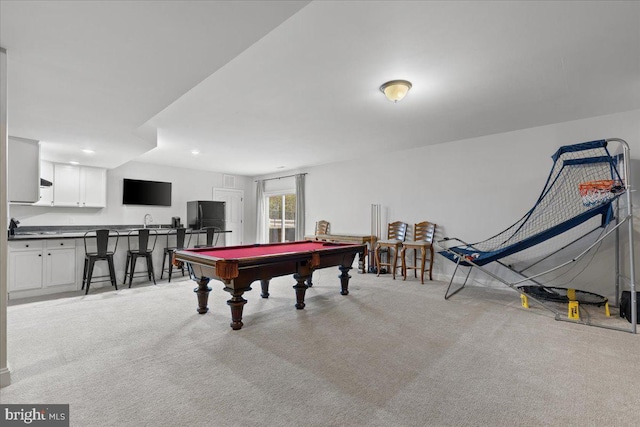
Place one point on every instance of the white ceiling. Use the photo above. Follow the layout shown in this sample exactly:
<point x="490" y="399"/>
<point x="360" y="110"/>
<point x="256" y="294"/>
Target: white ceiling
<point x="260" y="87"/>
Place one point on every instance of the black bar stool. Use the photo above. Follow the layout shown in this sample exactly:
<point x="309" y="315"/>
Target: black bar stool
<point x="102" y="253"/>
<point x="181" y="234"/>
<point x="213" y="233"/>
<point x="146" y="244"/>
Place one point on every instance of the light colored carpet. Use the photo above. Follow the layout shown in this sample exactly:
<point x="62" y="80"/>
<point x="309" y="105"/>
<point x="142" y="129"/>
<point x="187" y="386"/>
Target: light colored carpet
<point x="391" y="353"/>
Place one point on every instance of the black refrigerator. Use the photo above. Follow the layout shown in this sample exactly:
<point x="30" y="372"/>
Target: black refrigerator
<point x="205" y="213"/>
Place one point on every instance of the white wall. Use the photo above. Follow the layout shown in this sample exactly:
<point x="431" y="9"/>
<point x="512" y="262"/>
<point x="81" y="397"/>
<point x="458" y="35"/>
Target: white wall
<point x="471" y="188"/>
<point x="5" y="375"/>
<point x="187" y="185"/>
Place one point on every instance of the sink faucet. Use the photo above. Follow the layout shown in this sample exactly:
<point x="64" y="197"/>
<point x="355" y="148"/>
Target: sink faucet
<point x="148" y="219"/>
<point x="13" y="224"/>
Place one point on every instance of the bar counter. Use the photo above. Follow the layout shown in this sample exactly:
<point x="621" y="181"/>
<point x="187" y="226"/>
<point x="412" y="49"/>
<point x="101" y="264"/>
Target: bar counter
<point x="78" y="232"/>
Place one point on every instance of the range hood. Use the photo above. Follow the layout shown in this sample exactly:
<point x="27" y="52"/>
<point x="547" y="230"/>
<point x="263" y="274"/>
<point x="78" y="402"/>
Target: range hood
<point x="45" y="183"/>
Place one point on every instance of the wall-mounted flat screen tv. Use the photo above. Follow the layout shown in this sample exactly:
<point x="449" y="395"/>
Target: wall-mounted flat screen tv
<point x="140" y="192"/>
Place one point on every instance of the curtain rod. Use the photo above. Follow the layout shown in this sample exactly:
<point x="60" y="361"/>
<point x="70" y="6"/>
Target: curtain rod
<point x="280" y="177"/>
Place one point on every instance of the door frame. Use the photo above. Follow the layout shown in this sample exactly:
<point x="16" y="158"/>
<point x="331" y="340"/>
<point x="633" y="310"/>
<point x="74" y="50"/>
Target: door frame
<point x="215" y="195"/>
<point x="269" y="194"/>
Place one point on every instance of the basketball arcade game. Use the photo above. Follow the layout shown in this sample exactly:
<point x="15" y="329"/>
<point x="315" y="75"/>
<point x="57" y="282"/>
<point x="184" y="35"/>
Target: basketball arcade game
<point x="584" y="190"/>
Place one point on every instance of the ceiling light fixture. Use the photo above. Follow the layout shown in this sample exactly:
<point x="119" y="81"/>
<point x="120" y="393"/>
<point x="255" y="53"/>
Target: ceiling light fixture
<point x="195" y="152"/>
<point x="87" y="151"/>
<point x="73" y="162"/>
<point x="395" y="90"/>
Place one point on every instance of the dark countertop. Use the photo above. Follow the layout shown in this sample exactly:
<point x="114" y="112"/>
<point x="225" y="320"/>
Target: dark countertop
<point x="78" y="231"/>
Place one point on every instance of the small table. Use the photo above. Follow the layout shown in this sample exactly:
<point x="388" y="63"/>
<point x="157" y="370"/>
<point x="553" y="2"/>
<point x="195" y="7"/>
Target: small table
<point x="350" y="238"/>
<point x="239" y="266"/>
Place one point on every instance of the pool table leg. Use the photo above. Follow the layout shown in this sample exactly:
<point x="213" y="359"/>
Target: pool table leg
<point x="344" y="279"/>
<point x="301" y="289"/>
<point x="237" y="304"/>
<point x="203" y="294"/>
<point x="265" y="288"/>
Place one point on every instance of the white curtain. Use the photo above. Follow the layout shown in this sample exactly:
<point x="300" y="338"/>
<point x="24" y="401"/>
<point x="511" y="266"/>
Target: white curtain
<point x="261" y="210"/>
<point x="300" y="214"/>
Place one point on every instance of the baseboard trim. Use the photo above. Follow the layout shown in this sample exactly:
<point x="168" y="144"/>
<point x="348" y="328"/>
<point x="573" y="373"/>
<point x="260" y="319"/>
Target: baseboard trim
<point x="5" y="377"/>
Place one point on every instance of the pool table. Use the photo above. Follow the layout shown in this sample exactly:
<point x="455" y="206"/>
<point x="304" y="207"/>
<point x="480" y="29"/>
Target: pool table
<point x="239" y="266"/>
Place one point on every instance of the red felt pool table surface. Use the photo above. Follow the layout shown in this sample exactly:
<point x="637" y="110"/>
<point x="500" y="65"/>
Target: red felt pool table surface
<point x="239" y="252"/>
<point x="239" y="266"/>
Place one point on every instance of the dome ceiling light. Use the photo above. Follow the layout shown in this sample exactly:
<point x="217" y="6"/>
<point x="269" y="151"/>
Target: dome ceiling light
<point x="395" y="90"/>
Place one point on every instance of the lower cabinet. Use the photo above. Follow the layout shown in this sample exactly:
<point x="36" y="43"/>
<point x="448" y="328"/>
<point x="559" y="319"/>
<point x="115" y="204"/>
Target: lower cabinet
<point x="25" y="267"/>
<point x="40" y="267"/>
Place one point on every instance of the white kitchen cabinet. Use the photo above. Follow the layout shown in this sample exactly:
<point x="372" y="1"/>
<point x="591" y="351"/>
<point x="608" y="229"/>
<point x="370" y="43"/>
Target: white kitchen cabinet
<point x="23" y="170"/>
<point x="46" y="193"/>
<point x="93" y="187"/>
<point x="79" y="186"/>
<point x="66" y="185"/>
<point x="25" y="265"/>
<point x="39" y="267"/>
<point x="59" y="263"/>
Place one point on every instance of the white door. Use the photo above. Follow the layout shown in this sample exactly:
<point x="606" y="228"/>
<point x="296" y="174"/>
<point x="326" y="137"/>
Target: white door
<point x="234" y="213"/>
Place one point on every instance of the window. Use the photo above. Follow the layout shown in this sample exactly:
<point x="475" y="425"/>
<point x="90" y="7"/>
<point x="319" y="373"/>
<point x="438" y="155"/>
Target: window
<point x="282" y="218"/>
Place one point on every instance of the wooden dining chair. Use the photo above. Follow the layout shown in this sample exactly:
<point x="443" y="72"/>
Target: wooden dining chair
<point x="396" y="233"/>
<point x="422" y="240"/>
<point x="323" y="227"/>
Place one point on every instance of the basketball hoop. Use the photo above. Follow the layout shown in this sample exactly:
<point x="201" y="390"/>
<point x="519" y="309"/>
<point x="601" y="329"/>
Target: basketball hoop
<point x="597" y="192"/>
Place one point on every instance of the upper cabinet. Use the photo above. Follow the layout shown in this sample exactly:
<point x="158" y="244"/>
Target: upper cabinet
<point x="23" y="170"/>
<point x="79" y="186"/>
<point x="73" y="186"/>
<point x="46" y="192"/>
<point x="66" y="185"/>
<point x="93" y="187"/>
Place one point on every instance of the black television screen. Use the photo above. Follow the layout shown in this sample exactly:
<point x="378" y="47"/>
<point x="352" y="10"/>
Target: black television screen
<point x="139" y="192"/>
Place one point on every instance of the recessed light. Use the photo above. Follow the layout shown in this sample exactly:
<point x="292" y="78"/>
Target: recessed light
<point x="86" y="150"/>
<point x="195" y="152"/>
<point x="73" y="162"/>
